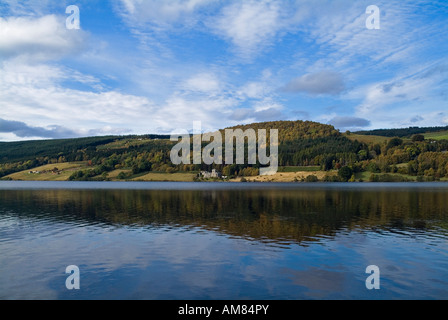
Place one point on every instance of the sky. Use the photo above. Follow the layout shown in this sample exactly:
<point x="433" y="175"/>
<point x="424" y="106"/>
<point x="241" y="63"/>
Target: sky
<point x="153" y="66"/>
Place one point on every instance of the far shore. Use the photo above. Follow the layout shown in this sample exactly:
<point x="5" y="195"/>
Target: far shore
<point x="299" y="176"/>
<point x="64" y="172"/>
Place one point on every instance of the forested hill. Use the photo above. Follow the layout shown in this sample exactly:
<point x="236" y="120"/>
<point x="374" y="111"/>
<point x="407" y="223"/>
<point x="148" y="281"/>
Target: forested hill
<point x="87" y="148"/>
<point x="294" y="130"/>
<point x="71" y="149"/>
<point x="306" y="143"/>
<point x="302" y="143"/>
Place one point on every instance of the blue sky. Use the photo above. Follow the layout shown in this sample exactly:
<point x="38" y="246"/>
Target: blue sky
<point x="153" y="66"/>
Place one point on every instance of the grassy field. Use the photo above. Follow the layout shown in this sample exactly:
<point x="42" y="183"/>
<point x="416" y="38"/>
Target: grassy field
<point x="367" y="139"/>
<point x="175" y="177"/>
<point x="65" y="171"/>
<point x="298" y="169"/>
<point x="365" y="176"/>
<point x="442" y="135"/>
<point x="123" y="144"/>
<point x="113" y="175"/>
<point x="288" y="176"/>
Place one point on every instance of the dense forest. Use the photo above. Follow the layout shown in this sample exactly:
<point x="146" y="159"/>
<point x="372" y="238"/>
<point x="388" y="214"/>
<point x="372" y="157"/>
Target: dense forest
<point x="301" y="143"/>
<point x="401" y="133"/>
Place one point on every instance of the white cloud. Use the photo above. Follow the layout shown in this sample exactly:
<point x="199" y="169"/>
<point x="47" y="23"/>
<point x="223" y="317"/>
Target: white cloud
<point x="43" y="38"/>
<point x="267" y="104"/>
<point x="381" y="95"/>
<point x="164" y="14"/>
<point x="32" y="94"/>
<point x="203" y="82"/>
<point x="16" y="74"/>
<point x="28" y="7"/>
<point x="397" y="101"/>
<point x="249" y="25"/>
<point x="180" y="112"/>
<point x="254" y="90"/>
<point x="169" y="78"/>
<point x="338" y="28"/>
<point x="263" y="110"/>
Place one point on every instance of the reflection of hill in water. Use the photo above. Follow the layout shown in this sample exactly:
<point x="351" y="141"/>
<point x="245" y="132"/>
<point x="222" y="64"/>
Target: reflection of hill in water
<point x="270" y="215"/>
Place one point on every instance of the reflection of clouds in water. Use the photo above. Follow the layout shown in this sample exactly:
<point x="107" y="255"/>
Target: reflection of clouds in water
<point x="199" y="258"/>
<point x="185" y="246"/>
<point x="209" y="258"/>
<point x="196" y="259"/>
<point x="44" y="253"/>
<point x="351" y="238"/>
<point x="320" y="283"/>
<point x="403" y="264"/>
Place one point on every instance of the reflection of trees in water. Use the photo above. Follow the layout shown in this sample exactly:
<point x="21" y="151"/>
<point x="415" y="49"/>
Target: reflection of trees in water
<point x="273" y="215"/>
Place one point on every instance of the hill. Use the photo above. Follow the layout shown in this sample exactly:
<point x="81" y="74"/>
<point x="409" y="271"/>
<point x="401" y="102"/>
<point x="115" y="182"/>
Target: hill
<point x="302" y="143"/>
<point x="306" y="143"/>
<point x="294" y="130"/>
<point x="305" y="148"/>
<point x="69" y="148"/>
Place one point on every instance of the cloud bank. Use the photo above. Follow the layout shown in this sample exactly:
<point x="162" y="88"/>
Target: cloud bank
<point x="320" y="83"/>
<point x="22" y="130"/>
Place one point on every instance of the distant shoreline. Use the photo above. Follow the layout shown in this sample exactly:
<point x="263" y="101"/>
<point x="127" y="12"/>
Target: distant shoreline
<point x="66" y="172"/>
<point x="233" y="181"/>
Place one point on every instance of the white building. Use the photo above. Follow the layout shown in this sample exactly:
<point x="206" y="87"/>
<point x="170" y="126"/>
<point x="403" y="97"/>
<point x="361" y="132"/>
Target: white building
<point x="210" y="175"/>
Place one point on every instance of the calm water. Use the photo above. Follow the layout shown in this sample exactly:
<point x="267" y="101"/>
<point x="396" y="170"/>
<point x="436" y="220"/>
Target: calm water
<point x="223" y="241"/>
